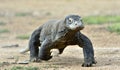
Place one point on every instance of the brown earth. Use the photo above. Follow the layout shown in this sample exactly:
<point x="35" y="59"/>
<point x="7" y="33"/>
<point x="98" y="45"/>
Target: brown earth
<point x="106" y="44"/>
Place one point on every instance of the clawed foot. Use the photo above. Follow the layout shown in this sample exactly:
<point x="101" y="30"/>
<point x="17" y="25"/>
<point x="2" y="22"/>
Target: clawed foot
<point x="35" y="60"/>
<point x="46" y="58"/>
<point x="89" y="64"/>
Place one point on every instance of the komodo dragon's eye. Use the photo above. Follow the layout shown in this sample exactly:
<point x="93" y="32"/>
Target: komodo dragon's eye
<point x="70" y="20"/>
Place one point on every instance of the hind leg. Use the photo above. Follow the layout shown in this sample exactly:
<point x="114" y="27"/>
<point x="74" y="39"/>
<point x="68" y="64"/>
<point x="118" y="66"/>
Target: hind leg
<point x="57" y="52"/>
<point x="33" y="52"/>
<point x="34" y="44"/>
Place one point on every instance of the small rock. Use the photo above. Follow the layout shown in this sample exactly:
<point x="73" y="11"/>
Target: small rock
<point x="24" y="62"/>
<point x="9" y="46"/>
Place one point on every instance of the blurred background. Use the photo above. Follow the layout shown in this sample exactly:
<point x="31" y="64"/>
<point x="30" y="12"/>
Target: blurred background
<point x="18" y="19"/>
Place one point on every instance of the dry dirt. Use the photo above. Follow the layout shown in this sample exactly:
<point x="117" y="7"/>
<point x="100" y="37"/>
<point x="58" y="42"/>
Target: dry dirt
<point x="106" y="44"/>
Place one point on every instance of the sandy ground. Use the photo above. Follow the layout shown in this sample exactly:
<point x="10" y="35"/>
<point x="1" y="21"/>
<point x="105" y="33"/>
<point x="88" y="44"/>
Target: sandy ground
<point x="106" y="44"/>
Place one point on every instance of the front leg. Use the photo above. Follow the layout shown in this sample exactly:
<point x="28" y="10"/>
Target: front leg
<point x="44" y="52"/>
<point x="88" y="50"/>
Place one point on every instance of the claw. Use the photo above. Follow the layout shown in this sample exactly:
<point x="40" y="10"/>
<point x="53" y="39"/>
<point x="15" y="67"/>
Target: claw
<point x="94" y="62"/>
<point x="35" y="60"/>
<point x="89" y="64"/>
<point x="86" y="64"/>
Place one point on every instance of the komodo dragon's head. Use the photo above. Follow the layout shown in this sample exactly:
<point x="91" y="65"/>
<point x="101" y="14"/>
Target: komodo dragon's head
<point x="74" y="22"/>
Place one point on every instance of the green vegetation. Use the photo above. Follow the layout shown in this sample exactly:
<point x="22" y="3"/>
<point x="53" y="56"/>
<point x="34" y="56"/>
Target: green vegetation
<point x="4" y="64"/>
<point x="113" y="19"/>
<point x="101" y="19"/>
<point x="22" y="14"/>
<point x="4" y="31"/>
<point x="115" y="27"/>
<point x="24" y="68"/>
<point x="2" y="23"/>
<point x="23" y="37"/>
